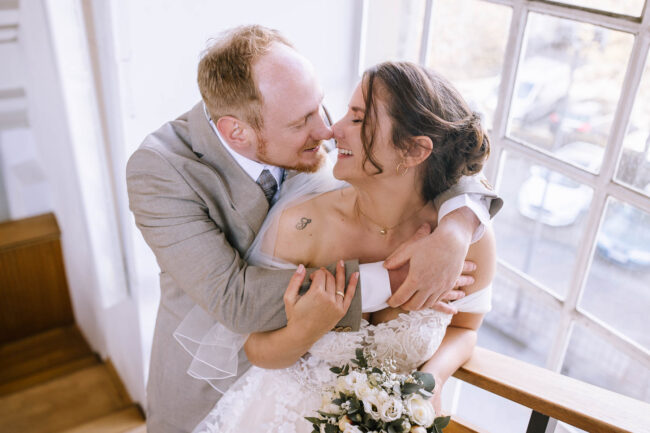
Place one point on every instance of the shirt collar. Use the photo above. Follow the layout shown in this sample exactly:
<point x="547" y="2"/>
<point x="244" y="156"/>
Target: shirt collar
<point x="252" y="168"/>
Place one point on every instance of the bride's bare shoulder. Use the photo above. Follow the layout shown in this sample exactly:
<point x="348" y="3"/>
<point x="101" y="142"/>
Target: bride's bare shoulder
<point x="302" y="229"/>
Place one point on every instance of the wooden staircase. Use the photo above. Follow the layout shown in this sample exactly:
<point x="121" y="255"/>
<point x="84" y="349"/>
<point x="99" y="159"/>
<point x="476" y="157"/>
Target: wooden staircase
<point x="50" y="380"/>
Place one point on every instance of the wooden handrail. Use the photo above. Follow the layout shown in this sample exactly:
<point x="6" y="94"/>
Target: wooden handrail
<point x="580" y="404"/>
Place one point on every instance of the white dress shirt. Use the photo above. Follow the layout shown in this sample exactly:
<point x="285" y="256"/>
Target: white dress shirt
<point x="375" y="284"/>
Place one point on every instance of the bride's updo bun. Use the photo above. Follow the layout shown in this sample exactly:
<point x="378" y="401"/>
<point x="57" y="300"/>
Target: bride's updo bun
<point x="420" y="102"/>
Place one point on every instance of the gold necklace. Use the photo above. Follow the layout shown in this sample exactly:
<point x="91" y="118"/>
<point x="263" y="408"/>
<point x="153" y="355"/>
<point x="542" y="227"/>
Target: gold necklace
<point x="383" y="230"/>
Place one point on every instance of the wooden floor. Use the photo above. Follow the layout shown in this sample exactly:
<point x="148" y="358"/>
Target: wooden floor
<point x="52" y="382"/>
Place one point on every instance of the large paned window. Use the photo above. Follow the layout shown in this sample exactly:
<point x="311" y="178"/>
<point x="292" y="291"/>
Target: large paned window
<point x="564" y="91"/>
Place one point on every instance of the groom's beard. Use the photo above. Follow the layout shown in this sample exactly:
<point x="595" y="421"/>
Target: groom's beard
<point x="298" y="166"/>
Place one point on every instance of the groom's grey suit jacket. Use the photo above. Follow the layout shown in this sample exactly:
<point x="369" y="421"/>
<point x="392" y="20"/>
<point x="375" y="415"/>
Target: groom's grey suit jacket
<point x="199" y="212"/>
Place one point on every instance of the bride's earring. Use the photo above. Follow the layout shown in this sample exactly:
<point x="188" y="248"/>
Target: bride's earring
<point x="401" y="169"/>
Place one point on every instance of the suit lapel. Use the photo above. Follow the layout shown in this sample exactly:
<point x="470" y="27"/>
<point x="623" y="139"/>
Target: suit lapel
<point x="247" y="197"/>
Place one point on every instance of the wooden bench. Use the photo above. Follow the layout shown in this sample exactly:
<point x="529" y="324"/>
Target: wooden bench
<point x="551" y="396"/>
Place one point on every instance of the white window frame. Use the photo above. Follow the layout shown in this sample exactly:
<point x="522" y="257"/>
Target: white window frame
<point x="603" y="184"/>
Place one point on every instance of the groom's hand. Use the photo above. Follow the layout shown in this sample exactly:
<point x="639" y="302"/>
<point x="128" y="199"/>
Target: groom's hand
<point x="436" y="262"/>
<point x="322" y="306"/>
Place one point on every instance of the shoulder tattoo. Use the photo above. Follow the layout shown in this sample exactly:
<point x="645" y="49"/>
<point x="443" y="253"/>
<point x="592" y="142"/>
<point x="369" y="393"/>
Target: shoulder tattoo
<point x="303" y="223"/>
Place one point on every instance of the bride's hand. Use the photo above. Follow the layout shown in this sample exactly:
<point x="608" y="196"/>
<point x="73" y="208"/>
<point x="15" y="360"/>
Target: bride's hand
<point x="316" y="312"/>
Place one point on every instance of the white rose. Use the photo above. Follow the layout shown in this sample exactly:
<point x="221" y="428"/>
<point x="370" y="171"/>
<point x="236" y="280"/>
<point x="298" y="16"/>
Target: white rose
<point x="371" y="405"/>
<point x="420" y="410"/>
<point x="391" y="409"/>
<point x="418" y="429"/>
<point x="383" y="397"/>
<point x="363" y="390"/>
<point x="346" y="384"/>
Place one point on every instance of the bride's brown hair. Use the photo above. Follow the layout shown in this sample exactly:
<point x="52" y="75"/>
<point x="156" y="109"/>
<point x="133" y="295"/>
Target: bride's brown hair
<point x="420" y="102"/>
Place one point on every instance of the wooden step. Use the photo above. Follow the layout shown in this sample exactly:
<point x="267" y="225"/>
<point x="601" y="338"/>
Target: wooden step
<point x="63" y="403"/>
<point x="47" y="375"/>
<point x="43" y="357"/>
<point x="127" y="420"/>
<point x="34" y="295"/>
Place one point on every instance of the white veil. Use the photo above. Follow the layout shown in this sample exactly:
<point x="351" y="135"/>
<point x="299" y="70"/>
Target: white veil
<point x="215" y="348"/>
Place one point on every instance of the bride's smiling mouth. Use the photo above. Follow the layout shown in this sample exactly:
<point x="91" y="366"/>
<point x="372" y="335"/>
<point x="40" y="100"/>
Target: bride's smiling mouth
<point x="344" y="153"/>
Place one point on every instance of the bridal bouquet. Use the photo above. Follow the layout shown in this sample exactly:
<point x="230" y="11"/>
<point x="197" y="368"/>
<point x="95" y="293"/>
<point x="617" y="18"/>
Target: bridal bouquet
<point x="374" y="399"/>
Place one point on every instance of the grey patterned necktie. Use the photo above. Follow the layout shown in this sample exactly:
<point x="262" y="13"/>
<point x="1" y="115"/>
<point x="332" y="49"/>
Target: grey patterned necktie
<point x="268" y="183"/>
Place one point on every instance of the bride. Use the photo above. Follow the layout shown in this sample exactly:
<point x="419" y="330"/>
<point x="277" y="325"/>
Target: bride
<point x="407" y="136"/>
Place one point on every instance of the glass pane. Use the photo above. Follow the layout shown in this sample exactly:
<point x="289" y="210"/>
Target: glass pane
<point x="518" y="325"/>
<point x="490" y="412"/>
<point x="567" y="87"/>
<point x="394" y="31"/>
<point x="617" y="290"/>
<point x="634" y="166"/>
<point x="467" y="46"/>
<point x="542" y="222"/>
<point x="592" y="359"/>
<point x="626" y="7"/>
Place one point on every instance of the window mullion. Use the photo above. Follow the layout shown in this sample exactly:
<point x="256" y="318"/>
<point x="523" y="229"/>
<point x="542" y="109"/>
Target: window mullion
<point x="426" y="33"/>
<point x="575" y="13"/>
<point x="596" y="212"/>
<point x="550" y="161"/>
<point x="630" y="87"/>
<point x="508" y="73"/>
<point x="628" y="195"/>
<point x="532" y="287"/>
<point x="578" y="278"/>
<point x="616" y="339"/>
<point x="363" y="34"/>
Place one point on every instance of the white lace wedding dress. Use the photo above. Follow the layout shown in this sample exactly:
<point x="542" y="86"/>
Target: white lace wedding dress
<point x="278" y="400"/>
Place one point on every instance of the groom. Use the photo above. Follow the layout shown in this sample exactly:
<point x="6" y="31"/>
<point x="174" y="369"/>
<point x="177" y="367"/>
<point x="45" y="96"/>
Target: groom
<point x="201" y="186"/>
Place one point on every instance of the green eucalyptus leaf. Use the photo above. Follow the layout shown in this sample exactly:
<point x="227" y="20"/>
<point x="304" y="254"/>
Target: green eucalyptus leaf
<point x="314" y="420"/>
<point x="329" y="428"/>
<point x="441" y="422"/>
<point x="410" y="388"/>
<point x="336" y="370"/>
<point x="426" y="379"/>
<point x="328" y="415"/>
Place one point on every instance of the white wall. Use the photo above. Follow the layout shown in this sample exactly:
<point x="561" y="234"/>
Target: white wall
<point x="100" y="75"/>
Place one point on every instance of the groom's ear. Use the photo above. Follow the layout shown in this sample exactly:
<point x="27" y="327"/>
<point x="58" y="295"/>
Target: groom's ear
<point x="235" y="132"/>
<point x="420" y="149"/>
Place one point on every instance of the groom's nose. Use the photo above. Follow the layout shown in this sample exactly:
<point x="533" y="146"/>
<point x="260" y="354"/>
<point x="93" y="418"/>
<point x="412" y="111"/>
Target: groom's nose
<point x="322" y="130"/>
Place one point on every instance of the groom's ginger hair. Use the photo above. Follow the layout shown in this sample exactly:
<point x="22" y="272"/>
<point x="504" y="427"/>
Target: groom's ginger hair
<point x="225" y="74"/>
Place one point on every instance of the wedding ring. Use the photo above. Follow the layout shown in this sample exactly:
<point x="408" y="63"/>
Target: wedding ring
<point x="340" y="293"/>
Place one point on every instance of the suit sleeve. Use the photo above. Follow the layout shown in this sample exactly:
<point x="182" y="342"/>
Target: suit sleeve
<point x="476" y="184"/>
<point x="193" y="250"/>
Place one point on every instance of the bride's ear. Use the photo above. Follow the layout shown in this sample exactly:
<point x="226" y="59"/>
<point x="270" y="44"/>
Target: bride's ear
<point x="421" y="148"/>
